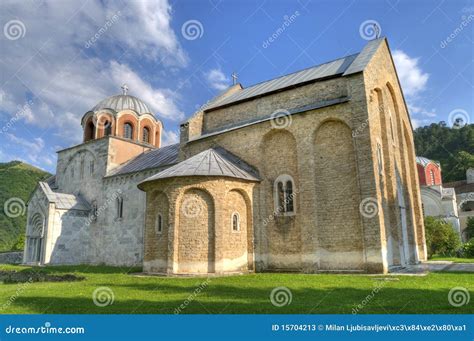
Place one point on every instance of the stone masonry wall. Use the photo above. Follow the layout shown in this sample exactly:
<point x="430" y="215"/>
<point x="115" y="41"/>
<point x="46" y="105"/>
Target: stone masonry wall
<point x="200" y="236"/>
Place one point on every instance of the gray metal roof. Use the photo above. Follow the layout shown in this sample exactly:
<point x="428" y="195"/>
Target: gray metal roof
<point x="339" y="67"/>
<point x="154" y="158"/>
<point x="423" y="161"/>
<point x="122" y="102"/>
<point x="363" y="57"/>
<point x="63" y="200"/>
<point x="212" y="162"/>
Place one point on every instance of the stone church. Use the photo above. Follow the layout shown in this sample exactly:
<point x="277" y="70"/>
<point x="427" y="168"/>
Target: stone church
<point x="310" y="172"/>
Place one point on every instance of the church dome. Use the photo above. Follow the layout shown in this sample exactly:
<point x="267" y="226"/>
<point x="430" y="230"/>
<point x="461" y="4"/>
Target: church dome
<point x="122" y="102"/>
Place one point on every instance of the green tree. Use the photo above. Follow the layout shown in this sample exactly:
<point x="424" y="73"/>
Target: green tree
<point x="17" y="181"/>
<point x="441" y="239"/>
<point x="469" y="231"/>
<point x="452" y="147"/>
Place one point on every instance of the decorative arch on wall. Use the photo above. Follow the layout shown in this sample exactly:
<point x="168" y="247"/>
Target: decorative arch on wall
<point x="130" y="117"/>
<point x="147" y="123"/>
<point x="34" y="238"/>
<point x="105" y="122"/>
<point x="415" y="201"/>
<point x="156" y="243"/>
<point x="246" y="232"/>
<point x="196" y="221"/>
<point x="89" y="130"/>
<point x="283" y="234"/>
<point x="36" y="225"/>
<point x="432" y="197"/>
<point x="337" y="219"/>
<point x="81" y="158"/>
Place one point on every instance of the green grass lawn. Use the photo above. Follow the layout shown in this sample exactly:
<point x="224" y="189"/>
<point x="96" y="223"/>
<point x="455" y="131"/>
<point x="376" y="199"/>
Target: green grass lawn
<point x="311" y="294"/>
<point x="453" y="259"/>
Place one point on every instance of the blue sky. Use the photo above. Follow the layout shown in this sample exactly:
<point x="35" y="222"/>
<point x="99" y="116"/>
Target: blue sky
<point x="59" y="58"/>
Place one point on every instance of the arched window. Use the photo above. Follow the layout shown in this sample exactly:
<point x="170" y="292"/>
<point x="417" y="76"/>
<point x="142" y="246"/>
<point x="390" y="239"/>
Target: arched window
<point x="146" y="135"/>
<point x="392" y="131"/>
<point x="119" y="207"/>
<point x="91" y="167"/>
<point x="432" y="177"/>
<point x="379" y="158"/>
<point x="128" y="131"/>
<point x="107" y="128"/>
<point x="235" y="221"/>
<point x="159" y="223"/>
<point x="284" y="195"/>
<point x="90" y="131"/>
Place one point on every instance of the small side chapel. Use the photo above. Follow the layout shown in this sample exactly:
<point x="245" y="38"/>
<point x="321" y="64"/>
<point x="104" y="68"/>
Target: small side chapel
<point x="310" y="172"/>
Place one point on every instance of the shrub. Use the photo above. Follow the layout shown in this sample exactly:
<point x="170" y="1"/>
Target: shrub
<point x="467" y="249"/>
<point x="441" y="239"/>
<point x="469" y="231"/>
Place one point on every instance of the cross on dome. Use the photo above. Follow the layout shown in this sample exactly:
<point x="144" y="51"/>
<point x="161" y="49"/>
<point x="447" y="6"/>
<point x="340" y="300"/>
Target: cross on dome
<point x="124" y="89"/>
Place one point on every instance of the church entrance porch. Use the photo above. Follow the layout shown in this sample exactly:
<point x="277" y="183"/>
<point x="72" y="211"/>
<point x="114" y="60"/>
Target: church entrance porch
<point x="34" y="239"/>
<point x="33" y="250"/>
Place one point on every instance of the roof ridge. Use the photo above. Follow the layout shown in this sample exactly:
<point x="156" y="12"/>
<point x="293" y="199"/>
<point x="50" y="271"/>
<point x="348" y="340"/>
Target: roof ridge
<point x="219" y="162"/>
<point x="227" y="163"/>
<point x="301" y="70"/>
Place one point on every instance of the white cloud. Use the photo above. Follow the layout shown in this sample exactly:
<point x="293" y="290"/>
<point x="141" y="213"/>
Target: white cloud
<point x="422" y="111"/>
<point x="162" y="101"/>
<point x="412" y="78"/>
<point x="34" y="150"/>
<point x="414" y="82"/>
<point x="217" y="80"/>
<point x="169" y="137"/>
<point x="150" y="31"/>
<point x="419" y="122"/>
<point x="52" y="66"/>
<point x="34" y="147"/>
